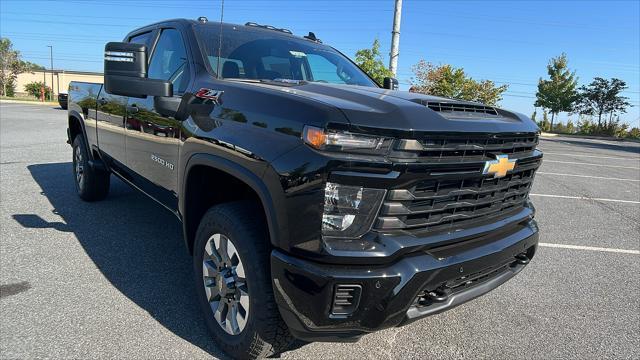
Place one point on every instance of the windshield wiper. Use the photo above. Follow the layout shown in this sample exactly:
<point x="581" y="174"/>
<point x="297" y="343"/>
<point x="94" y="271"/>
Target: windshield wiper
<point x="286" y="81"/>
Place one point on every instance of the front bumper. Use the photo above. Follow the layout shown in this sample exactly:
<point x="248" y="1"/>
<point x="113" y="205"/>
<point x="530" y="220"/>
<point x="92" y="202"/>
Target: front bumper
<point x="412" y="287"/>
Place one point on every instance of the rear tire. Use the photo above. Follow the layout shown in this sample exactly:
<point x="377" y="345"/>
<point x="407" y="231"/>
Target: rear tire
<point x="262" y="332"/>
<point x="91" y="184"/>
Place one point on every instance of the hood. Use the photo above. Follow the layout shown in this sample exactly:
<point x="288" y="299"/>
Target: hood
<point x="369" y="107"/>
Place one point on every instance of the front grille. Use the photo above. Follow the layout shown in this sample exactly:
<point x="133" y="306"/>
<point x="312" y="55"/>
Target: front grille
<point x="456" y="196"/>
<point x="473" y="148"/>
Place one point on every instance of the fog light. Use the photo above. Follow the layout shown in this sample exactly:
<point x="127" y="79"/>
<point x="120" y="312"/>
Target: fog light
<point x="349" y="210"/>
<point x="346" y="299"/>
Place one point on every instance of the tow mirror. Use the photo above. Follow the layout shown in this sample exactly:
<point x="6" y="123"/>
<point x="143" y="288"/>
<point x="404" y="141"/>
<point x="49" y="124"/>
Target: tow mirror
<point x="125" y="72"/>
<point x="390" y="83"/>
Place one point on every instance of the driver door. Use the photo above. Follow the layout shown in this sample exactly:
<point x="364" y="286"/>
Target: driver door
<point x="153" y="139"/>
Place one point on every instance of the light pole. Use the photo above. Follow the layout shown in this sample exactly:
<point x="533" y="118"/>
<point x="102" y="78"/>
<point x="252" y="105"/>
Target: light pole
<point x="395" y="38"/>
<point x="51" y="57"/>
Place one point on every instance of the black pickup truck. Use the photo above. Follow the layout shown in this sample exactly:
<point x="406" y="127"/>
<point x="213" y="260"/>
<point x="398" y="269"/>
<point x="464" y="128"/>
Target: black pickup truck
<point x="317" y="204"/>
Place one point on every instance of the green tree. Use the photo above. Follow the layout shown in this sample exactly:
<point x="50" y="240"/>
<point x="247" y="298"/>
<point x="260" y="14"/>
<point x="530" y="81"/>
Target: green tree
<point x="634" y="133"/>
<point x="448" y="81"/>
<point x="371" y="62"/>
<point x="571" y="128"/>
<point x="619" y="129"/>
<point x="558" y="94"/>
<point x="35" y="89"/>
<point x="10" y="66"/>
<point x="544" y="123"/>
<point x="9" y="88"/>
<point x="602" y="97"/>
<point x="586" y="126"/>
<point x="29" y="66"/>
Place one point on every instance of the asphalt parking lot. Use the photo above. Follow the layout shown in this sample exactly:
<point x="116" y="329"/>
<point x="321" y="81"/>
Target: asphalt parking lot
<point x="113" y="280"/>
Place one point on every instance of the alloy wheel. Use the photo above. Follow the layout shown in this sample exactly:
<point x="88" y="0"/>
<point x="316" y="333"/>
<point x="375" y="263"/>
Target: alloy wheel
<point x="225" y="284"/>
<point x="79" y="166"/>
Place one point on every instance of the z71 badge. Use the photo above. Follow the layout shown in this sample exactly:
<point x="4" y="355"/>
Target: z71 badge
<point x="209" y="94"/>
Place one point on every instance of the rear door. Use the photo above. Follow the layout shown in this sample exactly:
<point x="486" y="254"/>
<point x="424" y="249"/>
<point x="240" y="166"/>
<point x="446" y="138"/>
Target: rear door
<point x="110" y="128"/>
<point x="153" y="140"/>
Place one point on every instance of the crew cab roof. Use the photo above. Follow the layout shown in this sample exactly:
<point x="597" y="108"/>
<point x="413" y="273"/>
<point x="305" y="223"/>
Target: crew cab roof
<point x="217" y="25"/>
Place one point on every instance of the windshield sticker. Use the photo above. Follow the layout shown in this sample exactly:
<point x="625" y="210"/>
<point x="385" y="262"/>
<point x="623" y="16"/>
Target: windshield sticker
<point x="297" y="54"/>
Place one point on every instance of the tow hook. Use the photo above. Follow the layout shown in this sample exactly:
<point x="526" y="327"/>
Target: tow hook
<point x="439" y="295"/>
<point x="522" y="259"/>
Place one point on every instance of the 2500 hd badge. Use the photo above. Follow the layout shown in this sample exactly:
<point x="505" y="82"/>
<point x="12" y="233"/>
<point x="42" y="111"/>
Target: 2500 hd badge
<point x="162" y="161"/>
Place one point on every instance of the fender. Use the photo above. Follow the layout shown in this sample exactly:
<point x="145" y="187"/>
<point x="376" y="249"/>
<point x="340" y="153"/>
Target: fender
<point x="78" y="117"/>
<point x="268" y="197"/>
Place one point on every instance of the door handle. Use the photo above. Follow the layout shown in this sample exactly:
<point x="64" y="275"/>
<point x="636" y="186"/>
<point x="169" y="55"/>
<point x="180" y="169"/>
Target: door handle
<point x="102" y="101"/>
<point x="132" y="109"/>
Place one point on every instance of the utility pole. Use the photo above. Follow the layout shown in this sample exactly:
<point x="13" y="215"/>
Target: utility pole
<point x="51" y="57"/>
<point x="395" y="38"/>
<point x="4" y="74"/>
<point x="44" y="77"/>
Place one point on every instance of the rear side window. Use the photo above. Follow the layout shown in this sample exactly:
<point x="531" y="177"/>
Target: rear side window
<point x="169" y="60"/>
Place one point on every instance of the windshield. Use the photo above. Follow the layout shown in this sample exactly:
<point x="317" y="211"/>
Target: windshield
<point x="259" y="54"/>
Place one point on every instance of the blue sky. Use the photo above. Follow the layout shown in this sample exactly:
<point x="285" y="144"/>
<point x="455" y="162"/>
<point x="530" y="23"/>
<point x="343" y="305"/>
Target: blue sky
<point x="504" y="41"/>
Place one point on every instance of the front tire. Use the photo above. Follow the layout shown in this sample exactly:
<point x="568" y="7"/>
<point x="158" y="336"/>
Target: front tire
<point x="233" y="282"/>
<point x="91" y="184"/>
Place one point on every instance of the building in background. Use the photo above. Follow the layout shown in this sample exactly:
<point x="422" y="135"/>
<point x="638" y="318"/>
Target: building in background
<point x="61" y="79"/>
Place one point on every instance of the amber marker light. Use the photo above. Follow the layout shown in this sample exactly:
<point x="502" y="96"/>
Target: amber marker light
<point x="314" y="137"/>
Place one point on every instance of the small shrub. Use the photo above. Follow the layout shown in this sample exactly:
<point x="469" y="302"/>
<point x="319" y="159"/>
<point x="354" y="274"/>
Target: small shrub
<point x="35" y="88"/>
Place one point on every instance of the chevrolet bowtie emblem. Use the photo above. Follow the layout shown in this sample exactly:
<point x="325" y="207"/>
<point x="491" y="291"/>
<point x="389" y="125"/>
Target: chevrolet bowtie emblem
<point x="499" y="167"/>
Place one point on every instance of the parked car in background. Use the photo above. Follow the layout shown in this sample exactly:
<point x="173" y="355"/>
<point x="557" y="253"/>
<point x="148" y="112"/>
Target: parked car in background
<point x="63" y="99"/>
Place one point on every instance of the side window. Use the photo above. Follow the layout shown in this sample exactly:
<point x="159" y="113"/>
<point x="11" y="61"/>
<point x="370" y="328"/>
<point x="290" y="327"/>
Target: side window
<point x="169" y="60"/>
<point x="143" y="38"/>
<point x="323" y="69"/>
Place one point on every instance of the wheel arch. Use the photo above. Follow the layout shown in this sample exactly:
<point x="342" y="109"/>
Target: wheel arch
<point x="234" y="172"/>
<point x="75" y="127"/>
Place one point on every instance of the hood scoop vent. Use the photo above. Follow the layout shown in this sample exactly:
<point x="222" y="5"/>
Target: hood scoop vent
<point x="465" y="110"/>
<point x="446" y="107"/>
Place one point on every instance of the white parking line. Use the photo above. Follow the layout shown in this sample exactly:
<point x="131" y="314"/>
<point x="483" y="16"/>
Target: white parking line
<point x="592" y="164"/>
<point x="590" y="248"/>
<point x="592" y="156"/>
<point x="585" y="176"/>
<point x="586" y="198"/>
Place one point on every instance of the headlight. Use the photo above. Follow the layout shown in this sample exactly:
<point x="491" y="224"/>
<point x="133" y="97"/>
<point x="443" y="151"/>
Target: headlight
<point x="331" y="140"/>
<point x="349" y="211"/>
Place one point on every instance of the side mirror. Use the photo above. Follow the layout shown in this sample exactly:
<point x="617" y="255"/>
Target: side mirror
<point x="390" y="83"/>
<point x="125" y="72"/>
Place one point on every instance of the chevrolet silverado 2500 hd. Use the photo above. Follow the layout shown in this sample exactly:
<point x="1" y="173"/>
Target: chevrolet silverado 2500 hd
<point x="316" y="204"/>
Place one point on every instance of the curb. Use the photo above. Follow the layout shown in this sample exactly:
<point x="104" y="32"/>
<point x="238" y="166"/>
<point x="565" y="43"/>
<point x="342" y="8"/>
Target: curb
<point x="575" y="136"/>
<point x="46" y="103"/>
<point x="546" y="134"/>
